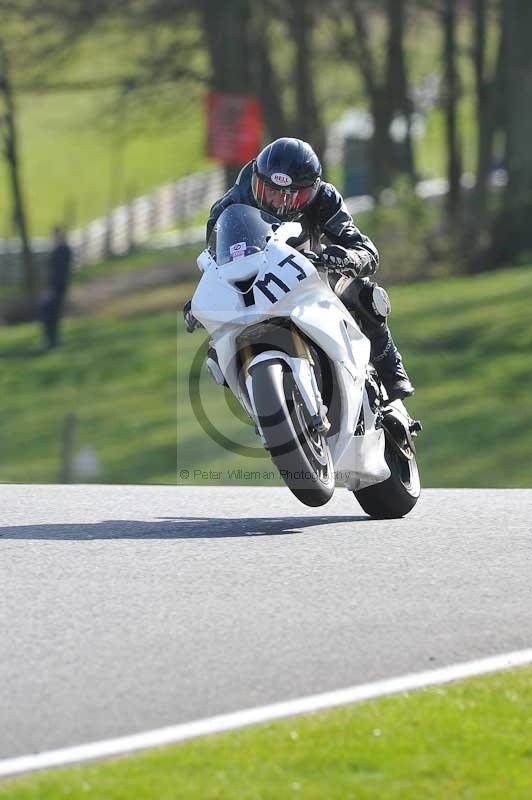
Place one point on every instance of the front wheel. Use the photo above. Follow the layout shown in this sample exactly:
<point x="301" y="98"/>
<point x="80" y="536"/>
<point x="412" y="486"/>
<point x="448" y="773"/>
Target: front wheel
<point x="398" y="494"/>
<point x="300" y="453"/>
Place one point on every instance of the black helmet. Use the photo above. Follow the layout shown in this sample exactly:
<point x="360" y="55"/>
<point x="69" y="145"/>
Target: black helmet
<point x="286" y="177"/>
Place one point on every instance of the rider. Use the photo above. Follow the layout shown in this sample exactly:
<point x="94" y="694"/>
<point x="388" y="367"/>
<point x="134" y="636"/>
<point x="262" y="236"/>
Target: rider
<point x="285" y="180"/>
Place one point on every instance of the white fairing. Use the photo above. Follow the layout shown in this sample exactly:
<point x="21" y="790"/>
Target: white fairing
<point x="286" y="284"/>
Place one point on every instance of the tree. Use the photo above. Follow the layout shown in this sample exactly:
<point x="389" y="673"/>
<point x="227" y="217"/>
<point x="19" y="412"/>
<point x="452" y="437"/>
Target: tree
<point x="239" y="42"/>
<point x="267" y="83"/>
<point x="386" y="88"/>
<point x="512" y="229"/>
<point x="451" y="96"/>
<point x="10" y="150"/>
<point x="308" y="122"/>
<point x="226" y="28"/>
<point x="488" y="84"/>
<point x="33" y="32"/>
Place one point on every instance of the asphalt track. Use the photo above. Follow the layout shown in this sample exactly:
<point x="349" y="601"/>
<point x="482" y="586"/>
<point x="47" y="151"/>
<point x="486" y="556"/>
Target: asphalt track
<point x="125" y="609"/>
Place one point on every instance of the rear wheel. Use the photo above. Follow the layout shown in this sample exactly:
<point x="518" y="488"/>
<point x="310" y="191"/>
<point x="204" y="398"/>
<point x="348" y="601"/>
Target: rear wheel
<point x="397" y="495"/>
<point x="300" y="453"/>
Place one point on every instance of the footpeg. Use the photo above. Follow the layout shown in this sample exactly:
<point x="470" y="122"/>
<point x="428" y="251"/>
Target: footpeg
<point x="319" y="421"/>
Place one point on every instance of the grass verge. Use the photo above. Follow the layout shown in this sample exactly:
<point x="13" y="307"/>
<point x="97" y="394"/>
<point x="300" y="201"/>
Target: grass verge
<point x="465" y="741"/>
<point x="124" y="373"/>
<point x="144" y="258"/>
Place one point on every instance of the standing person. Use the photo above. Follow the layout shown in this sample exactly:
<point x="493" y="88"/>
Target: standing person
<point x="59" y="272"/>
<point x="285" y="180"/>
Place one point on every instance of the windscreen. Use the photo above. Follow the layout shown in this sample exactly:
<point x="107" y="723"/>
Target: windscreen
<point x="240" y="231"/>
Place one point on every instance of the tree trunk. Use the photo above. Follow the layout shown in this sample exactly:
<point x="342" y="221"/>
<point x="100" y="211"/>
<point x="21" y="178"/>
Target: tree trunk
<point x="8" y="131"/>
<point x="386" y="93"/>
<point x="264" y="77"/>
<point x="308" y="124"/>
<point x="485" y="126"/>
<point x="226" y="26"/>
<point x="397" y="83"/>
<point x="512" y="231"/>
<point x="454" y="161"/>
<point x="488" y="91"/>
<point x="380" y="155"/>
<point x="382" y="169"/>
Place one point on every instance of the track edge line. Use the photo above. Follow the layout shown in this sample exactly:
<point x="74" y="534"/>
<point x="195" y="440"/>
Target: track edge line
<point x="123" y="745"/>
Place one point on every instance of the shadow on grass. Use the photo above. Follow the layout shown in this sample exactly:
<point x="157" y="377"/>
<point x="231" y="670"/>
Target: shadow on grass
<point x="174" y="528"/>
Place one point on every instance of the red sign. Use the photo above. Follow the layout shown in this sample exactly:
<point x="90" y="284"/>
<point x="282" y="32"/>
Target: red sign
<point x="234" y="127"/>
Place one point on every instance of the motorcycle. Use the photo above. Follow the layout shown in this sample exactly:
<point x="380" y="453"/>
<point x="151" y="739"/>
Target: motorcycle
<point x="298" y="363"/>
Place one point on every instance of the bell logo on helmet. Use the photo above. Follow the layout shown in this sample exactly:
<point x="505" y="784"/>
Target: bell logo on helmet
<point x="281" y="179"/>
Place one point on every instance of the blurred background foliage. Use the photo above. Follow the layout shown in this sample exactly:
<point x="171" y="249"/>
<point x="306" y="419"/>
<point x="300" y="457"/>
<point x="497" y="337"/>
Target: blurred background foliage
<point x="102" y="101"/>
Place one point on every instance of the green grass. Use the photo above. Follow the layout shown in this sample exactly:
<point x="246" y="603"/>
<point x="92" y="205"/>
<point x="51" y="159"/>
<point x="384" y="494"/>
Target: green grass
<point x="116" y="374"/>
<point x="467" y="343"/>
<point x="124" y="372"/>
<point x="464" y="741"/>
<point x="68" y="159"/>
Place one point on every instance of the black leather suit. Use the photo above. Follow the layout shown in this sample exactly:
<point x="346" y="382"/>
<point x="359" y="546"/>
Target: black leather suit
<point x="326" y="217"/>
<point x="326" y="220"/>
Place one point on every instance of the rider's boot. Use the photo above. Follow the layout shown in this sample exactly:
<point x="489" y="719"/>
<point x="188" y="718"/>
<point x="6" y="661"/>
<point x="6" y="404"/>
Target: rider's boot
<point x="386" y="359"/>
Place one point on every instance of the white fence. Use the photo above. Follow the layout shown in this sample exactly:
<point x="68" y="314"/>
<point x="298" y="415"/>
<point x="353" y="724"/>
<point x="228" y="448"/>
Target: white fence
<point x="129" y="225"/>
<point x="174" y="203"/>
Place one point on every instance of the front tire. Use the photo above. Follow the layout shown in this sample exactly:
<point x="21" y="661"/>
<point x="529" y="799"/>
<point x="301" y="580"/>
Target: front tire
<point x="397" y="495"/>
<point x="301" y="454"/>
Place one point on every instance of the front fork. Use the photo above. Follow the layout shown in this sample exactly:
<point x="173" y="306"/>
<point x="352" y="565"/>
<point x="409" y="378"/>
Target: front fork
<point x="301" y="350"/>
<point x="301" y="347"/>
<point x="302" y="365"/>
<point x="319" y="421"/>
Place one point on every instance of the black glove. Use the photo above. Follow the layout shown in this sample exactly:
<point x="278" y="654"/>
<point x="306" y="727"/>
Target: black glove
<point x="190" y="320"/>
<point x="339" y="258"/>
<point x="311" y="255"/>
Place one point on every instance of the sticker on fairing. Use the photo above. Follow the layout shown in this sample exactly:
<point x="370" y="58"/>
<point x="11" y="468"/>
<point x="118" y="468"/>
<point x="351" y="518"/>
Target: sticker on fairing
<point x="238" y="249"/>
<point x="281" y="179"/>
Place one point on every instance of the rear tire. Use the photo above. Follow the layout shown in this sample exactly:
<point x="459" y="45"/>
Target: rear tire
<point x="301" y="455"/>
<point x="398" y="494"/>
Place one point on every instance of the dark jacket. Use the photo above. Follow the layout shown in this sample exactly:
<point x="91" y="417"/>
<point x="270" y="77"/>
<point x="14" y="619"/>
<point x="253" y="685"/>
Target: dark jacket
<point x="326" y="216"/>
<point x="59" y="267"/>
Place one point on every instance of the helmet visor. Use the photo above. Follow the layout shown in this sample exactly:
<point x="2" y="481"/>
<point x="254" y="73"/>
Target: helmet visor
<point x="283" y="202"/>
